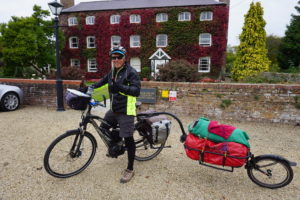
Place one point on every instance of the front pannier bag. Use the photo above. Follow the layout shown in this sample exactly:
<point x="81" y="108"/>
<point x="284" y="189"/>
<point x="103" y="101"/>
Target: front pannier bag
<point x="224" y="153"/>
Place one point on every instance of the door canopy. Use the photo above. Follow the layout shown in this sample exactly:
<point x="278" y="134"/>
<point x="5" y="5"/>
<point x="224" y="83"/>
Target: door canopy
<point x="160" y="55"/>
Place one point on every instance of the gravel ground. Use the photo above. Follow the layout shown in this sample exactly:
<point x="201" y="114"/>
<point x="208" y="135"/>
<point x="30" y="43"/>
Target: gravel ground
<point x="26" y="133"/>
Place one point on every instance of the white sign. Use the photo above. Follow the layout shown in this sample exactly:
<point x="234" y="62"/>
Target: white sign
<point x="172" y="96"/>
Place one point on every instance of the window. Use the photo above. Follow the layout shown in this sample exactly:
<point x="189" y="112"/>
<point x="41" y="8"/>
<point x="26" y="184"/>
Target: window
<point x="135" y="41"/>
<point x="135" y="19"/>
<point x="90" y="20"/>
<point x="206" y="16"/>
<point x="161" y="40"/>
<point x="73" y="42"/>
<point x="136" y="63"/>
<point x="115" y="19"/>
<point x="90" y="42"/>
<point x="92" y="65"/>
<point x="204" y="64"/>
<point x="72" y="21"/>
<point x="184" y="16"/>
<point x="75" y="63"/>
<point x="161" y="17"/>
<point x="115" y="40"/>
<point x="205" y="39"/>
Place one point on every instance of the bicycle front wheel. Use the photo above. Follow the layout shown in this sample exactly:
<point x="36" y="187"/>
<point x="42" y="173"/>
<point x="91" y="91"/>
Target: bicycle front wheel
<point x="144" y="150"/>
<point x="270" y="171"/>
<point x="70" y="154"/>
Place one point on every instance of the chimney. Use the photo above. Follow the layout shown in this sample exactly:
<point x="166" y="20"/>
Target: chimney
<point x="225" y="1"/>
<point x="67" y="3"/>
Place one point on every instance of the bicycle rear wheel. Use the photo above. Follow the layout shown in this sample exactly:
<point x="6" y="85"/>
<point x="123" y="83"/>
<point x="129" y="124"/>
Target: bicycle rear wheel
<point x="144" y="150"/>
<point x="270" y="171"/>
<point x="70" y="154"/>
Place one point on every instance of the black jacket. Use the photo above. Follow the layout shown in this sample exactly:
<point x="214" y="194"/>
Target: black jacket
<point x="127" y="82"/>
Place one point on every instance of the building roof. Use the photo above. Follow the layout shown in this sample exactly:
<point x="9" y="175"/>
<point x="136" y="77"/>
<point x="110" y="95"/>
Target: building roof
<point x="133" y="4"/>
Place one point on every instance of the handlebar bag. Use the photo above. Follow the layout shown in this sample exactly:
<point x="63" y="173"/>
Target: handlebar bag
<point x="224" y="153"/>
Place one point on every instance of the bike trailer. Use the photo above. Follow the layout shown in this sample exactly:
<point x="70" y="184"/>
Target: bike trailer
<point x="224" y="153"/>
<point x="202" y="128"/>
<point x="156" y="128"/>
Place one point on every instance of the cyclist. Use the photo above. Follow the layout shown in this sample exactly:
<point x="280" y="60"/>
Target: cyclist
<point x="123" y="86"/>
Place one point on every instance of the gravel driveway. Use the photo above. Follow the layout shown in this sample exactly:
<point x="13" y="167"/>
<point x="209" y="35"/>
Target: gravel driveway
<point x="26" y="133"/>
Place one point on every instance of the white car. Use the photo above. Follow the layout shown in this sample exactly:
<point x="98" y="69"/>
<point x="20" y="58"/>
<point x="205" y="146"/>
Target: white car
<point x="10" y="97"/>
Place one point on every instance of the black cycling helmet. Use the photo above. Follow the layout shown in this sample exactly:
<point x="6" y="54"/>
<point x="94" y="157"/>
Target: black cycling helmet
<point x="117" y="49"/>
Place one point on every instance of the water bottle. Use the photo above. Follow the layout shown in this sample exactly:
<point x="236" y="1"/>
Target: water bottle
<point x="90" y="91"/>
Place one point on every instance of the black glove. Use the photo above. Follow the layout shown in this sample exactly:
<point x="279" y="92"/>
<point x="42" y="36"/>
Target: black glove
<point x="83" y="89"/>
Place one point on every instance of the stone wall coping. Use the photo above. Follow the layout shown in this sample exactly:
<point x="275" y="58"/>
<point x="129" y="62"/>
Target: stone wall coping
<point x="34" y="81"/>
<point x="220" y="85"/>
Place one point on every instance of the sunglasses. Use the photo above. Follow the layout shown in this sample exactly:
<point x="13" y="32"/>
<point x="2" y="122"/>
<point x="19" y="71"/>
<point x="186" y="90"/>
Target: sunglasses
<point x="117" y="57"/>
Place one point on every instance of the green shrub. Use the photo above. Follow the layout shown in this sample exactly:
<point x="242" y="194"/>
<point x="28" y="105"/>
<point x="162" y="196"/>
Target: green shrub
<point x="146" y="72"/>
<point x="69" y="73"/>
<point x="179" y="71"/>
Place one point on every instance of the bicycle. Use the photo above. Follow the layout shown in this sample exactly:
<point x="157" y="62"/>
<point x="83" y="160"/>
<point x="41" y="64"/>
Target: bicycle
<point x="269" y="171"/>
<point x="72" y="152"/>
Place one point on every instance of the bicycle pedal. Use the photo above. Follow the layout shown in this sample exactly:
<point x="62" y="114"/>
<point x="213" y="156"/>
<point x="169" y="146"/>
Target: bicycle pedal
<point x="168" y="146"/>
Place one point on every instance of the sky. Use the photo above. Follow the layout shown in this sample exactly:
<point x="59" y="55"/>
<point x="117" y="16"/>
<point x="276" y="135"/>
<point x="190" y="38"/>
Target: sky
<point x="277" y="14"/>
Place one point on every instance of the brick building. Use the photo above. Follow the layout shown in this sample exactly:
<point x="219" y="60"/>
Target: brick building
<point x="153" y="32"/>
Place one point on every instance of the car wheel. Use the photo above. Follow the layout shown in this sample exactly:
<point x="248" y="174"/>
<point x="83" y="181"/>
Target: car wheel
<point x="10" y="101"/>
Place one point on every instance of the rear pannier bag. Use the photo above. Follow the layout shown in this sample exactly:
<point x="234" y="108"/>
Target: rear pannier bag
<point x="225" y="153"/>
<point x="156" y="128"/>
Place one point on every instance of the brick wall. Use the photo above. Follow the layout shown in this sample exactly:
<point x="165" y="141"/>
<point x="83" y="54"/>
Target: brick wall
<point x="39" y="92"/>
<point x="249" y="102"/>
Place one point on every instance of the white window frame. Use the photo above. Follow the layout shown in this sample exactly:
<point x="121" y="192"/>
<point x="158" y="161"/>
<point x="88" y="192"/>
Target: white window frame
<point x="205" y="39"/>
<point x="92" y="65"/>
<point x="184" y="16"/>
<point x="73" y="44"/>
<point x="135" y="19"/>
<point x="115" y="41"/>
<point x="74" y="62"/>
<point x="90" y="42"/>
<point x="115" y="19"/>
<point x="135" y="62"/>
<point x="135" y="41"/>
<point x="206" y="16"/>
<point x="204" y="62"/>
<point x="72" y="21"/>
<point x="159" y="39"/>
<point x="90" y="20"/>
<point x="161" y="17"/>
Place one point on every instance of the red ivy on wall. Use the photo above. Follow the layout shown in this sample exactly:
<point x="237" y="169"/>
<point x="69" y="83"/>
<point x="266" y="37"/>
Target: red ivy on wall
<point x="189" y="49"/>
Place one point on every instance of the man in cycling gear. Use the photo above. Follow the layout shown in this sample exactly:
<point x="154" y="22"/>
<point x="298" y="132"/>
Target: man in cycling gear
<point x="123" y="86"/>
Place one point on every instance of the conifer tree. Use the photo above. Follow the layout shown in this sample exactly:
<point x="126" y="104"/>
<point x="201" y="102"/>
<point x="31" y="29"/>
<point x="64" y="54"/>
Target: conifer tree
<point x="289" y="51"/>
<point x="252" y="52"/>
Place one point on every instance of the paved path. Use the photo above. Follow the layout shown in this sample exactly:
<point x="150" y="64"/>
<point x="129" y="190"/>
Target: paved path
<point x="26" y="133"/>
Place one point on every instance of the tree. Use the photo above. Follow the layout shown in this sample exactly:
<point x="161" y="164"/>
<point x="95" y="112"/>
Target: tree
<point x="252" y="52"/>
<point x="273" y="43"/>
<point x="27" y="43"/>
<point x="230" y="57"/>
<point x="289" y="50"/>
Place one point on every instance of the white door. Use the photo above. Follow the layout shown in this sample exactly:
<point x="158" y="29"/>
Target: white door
<point x="157" y="64"/>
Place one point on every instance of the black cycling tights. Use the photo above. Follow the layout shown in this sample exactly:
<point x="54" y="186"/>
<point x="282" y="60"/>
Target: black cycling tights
<point x="130" y="145"/>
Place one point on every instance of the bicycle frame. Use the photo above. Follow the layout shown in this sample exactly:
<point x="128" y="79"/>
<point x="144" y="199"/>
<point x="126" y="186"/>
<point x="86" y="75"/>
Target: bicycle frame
<point x="87" y="118"/>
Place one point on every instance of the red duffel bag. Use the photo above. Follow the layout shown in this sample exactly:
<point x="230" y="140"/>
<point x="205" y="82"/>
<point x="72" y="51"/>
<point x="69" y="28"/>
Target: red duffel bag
<point x="225" y="153"/>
